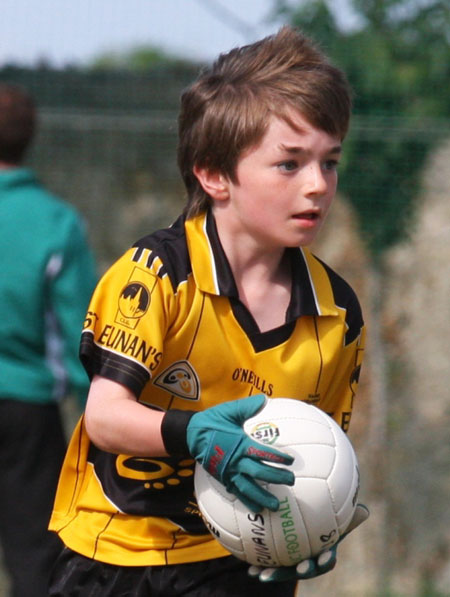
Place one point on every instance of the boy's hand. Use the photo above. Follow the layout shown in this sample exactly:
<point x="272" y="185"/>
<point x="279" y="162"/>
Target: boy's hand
<point x="216" y="439"/>
<point x="312" y="567"/>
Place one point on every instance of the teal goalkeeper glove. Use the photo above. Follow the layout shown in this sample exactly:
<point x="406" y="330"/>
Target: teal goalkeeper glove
<point x="216" y="439"/>
<point x="312" y="567"/>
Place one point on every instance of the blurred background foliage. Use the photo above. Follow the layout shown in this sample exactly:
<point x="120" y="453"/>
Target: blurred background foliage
<point x="396" y="55"/>
<point x="397" y="60"/>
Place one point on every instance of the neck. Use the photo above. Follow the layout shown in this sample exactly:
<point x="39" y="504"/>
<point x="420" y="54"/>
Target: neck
<point x="247" y="256"/>
<point x="263" y="276"/>
<point x="264" y="287"/>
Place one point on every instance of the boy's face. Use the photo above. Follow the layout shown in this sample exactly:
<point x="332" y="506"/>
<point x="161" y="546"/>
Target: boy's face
<point x="285" y="185"/>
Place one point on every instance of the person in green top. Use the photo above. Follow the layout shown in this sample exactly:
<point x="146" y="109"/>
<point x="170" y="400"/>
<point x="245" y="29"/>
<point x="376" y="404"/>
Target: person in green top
<point x="47" y="277"/>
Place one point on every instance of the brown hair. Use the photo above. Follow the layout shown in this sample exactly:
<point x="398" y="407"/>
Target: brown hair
<point x="227" y="109"/>
<point x="17" y="123"/>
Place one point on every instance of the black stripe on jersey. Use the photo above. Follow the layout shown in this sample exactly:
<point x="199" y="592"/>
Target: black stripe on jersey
<point x="169" y="244"/>
<point x="103" y="530"/>
<point x="260" y="340"/>
<point x="138" y="254"/>
<point x="345" y="298"/>
<point x="225" y="278"/>
<point x="77" y="438"/>
<point x="319" y="348"/>
<point x="98" y="361"/>
<point x="303" y="301"/>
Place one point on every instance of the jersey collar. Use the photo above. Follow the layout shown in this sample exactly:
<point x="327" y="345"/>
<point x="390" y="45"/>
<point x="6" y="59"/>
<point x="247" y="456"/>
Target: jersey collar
<point x="311" y="289"/>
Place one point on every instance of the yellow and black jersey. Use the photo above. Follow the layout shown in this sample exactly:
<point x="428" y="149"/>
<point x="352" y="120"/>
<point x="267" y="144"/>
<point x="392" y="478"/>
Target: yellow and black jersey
<point x="166" y="321"/>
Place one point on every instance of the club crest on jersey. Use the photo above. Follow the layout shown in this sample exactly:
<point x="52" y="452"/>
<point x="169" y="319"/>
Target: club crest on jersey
<point x="181" y="380"/>
<point x="134" y="301"/>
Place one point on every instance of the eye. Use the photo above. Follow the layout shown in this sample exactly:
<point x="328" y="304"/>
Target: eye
<point x="288" y="165"/>
<point x="330" y="165"/>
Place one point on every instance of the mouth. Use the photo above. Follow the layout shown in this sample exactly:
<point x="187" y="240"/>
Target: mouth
<point x="307" y="215"/>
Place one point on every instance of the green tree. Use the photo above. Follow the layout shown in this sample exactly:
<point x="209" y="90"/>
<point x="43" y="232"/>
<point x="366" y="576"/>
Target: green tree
<point x="139" y="59"/>
<point x="398" y="62"/>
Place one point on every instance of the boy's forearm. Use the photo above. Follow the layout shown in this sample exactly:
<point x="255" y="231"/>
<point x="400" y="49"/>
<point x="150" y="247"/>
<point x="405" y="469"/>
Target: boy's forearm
<point x="116" y="422"/>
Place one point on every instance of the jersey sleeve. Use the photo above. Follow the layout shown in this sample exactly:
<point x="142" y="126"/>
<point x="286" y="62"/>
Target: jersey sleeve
<point x="126" y="323"/>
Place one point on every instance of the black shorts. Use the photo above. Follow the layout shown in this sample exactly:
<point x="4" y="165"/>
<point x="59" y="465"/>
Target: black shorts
<point x="77" y="576"/>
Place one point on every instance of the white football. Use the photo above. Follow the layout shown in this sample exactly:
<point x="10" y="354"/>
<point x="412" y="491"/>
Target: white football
<point x="313" y="513"/>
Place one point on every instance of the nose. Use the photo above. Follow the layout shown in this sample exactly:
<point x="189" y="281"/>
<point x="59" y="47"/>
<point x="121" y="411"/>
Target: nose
<point x="315" y="180"/>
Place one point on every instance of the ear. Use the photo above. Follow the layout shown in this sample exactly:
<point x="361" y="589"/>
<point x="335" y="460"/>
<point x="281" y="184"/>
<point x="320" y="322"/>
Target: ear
<point x="213" y="182"/>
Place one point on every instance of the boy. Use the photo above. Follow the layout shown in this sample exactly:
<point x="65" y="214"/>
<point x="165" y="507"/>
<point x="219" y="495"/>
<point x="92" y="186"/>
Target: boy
<point x="227" y="303"/>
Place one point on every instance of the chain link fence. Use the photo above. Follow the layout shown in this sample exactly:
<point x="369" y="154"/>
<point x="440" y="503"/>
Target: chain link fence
<point x="107" y="144"/>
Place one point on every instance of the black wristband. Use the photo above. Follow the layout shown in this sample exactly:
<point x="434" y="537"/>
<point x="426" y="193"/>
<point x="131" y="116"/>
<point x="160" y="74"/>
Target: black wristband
<point x="173" y="431"/>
